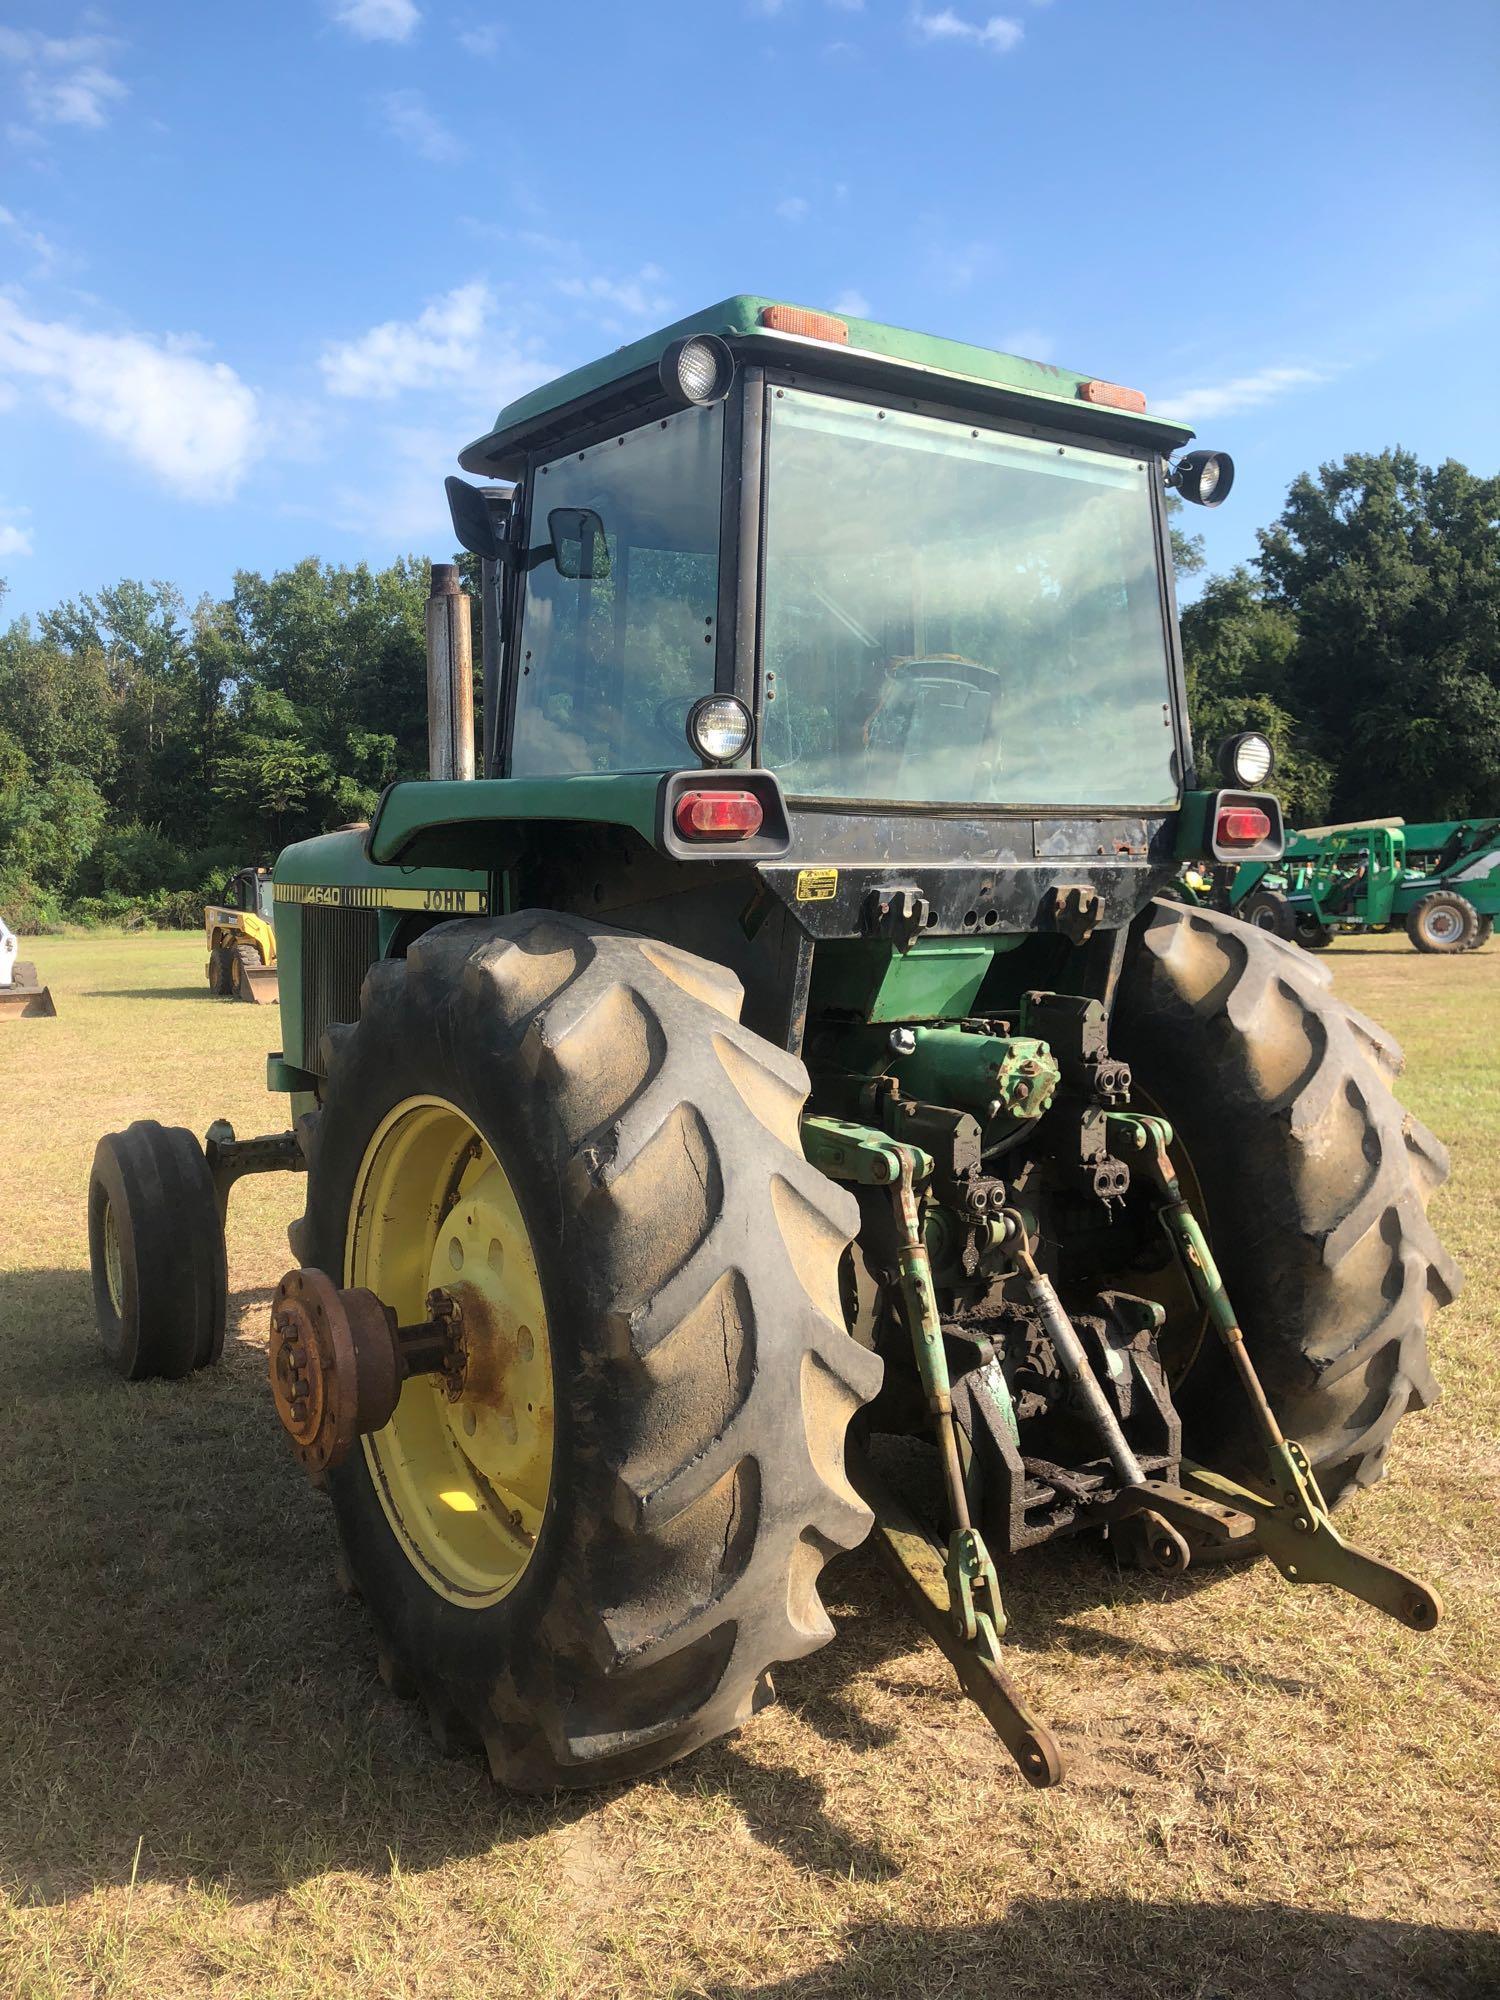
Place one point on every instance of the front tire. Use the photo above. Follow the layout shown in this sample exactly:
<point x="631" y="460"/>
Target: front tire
<point x="1264" y="910"/>
<point x="1312" y="935"/>
<point x="1443" y="922"/>
<point x="687" y="1262"/>
<point x="244" y="961"/>
<point x="1315" y="1185"/>
<point x="156" y="1251"/>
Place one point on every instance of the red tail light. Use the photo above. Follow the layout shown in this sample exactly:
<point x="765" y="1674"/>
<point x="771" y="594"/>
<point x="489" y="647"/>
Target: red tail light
<point x="718" y="815"/>
<point x="1242" y="826"/>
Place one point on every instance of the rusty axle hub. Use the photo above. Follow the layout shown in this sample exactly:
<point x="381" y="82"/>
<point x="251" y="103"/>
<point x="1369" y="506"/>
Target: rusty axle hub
<point x="338" y="1360"/>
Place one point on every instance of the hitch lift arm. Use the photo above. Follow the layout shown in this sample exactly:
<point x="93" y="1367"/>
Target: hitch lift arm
<point x="1291" y="1525"/>
<point x="957" y="1599"/>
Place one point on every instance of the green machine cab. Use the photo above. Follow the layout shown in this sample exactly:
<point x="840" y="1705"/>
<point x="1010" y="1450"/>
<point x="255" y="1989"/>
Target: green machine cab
<point x="1437" y="880"/>
<point x="782" y="1043"/>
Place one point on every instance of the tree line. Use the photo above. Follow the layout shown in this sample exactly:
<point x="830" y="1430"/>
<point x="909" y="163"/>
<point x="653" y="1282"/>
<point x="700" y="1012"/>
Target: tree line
<point x="148" y="748"/>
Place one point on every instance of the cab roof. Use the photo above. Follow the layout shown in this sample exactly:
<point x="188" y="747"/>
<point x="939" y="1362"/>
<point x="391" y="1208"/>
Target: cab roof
<point x="925" y="364"/>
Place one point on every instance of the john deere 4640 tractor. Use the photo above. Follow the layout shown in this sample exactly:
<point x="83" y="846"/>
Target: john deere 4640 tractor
<point x="779" y="1044"/>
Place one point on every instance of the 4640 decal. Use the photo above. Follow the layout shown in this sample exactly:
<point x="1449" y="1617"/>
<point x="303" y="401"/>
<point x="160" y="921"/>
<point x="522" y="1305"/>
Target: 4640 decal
<point x="338" y="896"/>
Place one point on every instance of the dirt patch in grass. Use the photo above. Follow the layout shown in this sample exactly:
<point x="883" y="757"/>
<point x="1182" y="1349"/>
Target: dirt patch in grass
<point x="204" y="1788"/>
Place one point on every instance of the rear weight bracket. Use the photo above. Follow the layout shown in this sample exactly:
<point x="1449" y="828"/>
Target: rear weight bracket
<point x="1291" y="1524"/>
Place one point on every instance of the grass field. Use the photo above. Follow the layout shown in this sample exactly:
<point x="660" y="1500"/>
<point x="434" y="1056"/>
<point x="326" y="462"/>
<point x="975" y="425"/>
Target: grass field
<point x="204" y="1789"/>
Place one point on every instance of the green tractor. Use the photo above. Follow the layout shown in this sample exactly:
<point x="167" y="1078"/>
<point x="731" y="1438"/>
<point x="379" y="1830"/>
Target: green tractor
<point x="779" y="1047"/>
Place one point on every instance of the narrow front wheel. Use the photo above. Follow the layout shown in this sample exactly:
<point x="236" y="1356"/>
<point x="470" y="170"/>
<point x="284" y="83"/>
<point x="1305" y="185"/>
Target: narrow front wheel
<point x="156" y="1248"/>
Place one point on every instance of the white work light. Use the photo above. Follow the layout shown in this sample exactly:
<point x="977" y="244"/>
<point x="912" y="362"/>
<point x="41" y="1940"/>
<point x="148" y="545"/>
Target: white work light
<point x="718" y="728"/>
<point x="697" y="370"/>
<point x="1204" y="477"/>
<point x="1247" y="760"/>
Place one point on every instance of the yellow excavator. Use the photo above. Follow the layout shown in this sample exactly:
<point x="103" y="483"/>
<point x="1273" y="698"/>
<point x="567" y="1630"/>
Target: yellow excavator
<point x="241" y="937"/>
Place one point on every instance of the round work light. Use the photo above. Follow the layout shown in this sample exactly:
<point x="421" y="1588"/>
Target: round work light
<point x="1247" y="760"/>
<point x="718" y="728"/>
<point x="1204" y="477"/>
<point x="697" y="370"/>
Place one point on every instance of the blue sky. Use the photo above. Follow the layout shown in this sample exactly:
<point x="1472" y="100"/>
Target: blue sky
<point x="265" y="268"/>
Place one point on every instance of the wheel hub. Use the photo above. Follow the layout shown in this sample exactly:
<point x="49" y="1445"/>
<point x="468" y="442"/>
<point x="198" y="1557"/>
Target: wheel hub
<point x="463" y="1467"/>
<point x="338" y="1360"/>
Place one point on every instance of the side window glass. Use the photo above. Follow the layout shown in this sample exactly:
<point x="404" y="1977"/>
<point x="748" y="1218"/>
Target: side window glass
<point x="618" y="638"/>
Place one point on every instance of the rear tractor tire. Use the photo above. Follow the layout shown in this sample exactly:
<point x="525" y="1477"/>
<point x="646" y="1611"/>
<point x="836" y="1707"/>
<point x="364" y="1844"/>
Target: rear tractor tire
<point x="218" y="971"/>
<point x="1315" y="1185"/>
<point x="1443" y="922"/>
<point x="156" y="1250"/>
<point x="1484" y="930"/>
<point x="588" y="1551"/>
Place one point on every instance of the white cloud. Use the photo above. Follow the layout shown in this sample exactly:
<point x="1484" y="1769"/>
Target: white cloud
<point x="482" y="41"/>
<point x="418" y="128"/>
<point x="40" y="246"/>
<point x="1241" y="392"/>
<point x="852" y="302"/>
<point x="14" y="539"/>
<point x="191" y="422"/>
<point x="639" y="297"/>
<point x="65" y="80"/>
<point x="442" y="344"/>
<point x="998" y="34"/>
<point x="1029" y="342"/>
<point x="378" y="20"/>
<point x="795" y="208"/>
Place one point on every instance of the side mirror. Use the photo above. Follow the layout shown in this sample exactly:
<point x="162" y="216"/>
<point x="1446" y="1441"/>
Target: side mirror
<point x="480" y="515"/>
<point x="579" y="547"/>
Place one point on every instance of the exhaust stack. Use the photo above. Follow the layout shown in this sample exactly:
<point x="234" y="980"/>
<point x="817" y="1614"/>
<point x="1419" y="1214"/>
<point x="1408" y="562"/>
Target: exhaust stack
<point x="450" y="677"/>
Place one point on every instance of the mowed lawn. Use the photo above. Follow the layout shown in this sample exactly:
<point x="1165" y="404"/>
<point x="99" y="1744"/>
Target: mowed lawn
<point x="205" y="1789"/>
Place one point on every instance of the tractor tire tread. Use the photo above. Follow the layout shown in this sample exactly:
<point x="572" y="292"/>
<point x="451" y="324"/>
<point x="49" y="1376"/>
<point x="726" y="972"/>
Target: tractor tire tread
<point x="699" y="1258"/>
<point x="1316" y="1183"/>
<point x="1442" y="898"/>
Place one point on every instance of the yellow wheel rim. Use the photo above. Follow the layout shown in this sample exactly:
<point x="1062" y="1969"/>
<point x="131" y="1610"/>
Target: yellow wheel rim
<point x="113" y="1275"/>
<point x="463" y="1481"/>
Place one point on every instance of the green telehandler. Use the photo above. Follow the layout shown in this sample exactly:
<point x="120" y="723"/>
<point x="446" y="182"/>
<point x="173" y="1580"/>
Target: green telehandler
<point x="781" y="1045"/>
<point x="1439" y="881"/>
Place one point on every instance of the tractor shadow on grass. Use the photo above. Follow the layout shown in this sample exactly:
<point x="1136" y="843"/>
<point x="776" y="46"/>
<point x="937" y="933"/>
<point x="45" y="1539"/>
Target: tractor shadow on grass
<point x="149" y="993"/>
<point x="178" y="1667"/>
<point x="1090" y="1947"/>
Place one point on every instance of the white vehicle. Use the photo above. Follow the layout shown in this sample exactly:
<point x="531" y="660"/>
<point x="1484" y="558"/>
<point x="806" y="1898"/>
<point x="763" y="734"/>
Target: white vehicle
<point x="21" y="993"/>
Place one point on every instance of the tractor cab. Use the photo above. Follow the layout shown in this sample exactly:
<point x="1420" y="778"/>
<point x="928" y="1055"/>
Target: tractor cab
<point x="1353" y="880"/>
<point x="905" y="572"/>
